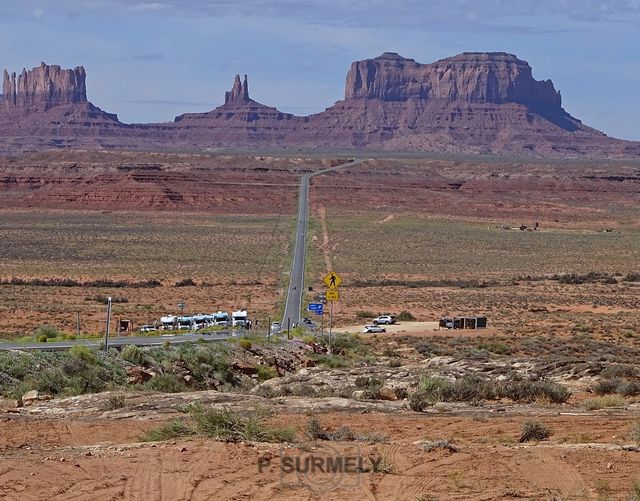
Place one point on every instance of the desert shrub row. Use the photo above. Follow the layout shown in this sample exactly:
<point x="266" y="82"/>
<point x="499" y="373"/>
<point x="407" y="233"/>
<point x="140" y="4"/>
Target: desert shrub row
<point x="474" y="389"/>
<point x="622" y="387"/>
<point x="417" y="284"/>
<point x="68" y="282"/>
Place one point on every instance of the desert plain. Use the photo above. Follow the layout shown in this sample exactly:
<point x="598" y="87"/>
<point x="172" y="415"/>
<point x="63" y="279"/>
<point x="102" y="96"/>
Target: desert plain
<point x="547" y="250"/>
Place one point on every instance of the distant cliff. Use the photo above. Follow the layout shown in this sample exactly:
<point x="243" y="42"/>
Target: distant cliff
<point x="44" y="87"/>
<point x="472" y="103"/>
<point x="474" y="77"/>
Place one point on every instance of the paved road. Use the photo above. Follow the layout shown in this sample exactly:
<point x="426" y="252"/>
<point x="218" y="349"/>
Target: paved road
<point x="295" y="292"/>
<point x="121" y="341"/>
<point x="293" y="303"/>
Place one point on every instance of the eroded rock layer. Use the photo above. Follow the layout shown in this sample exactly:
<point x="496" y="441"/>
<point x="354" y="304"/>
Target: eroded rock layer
<point x="486" y="103"/>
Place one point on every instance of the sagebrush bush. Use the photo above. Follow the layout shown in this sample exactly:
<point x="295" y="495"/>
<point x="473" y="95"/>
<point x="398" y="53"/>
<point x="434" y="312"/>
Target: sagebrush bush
<point x="265" y="372"/>
<point x="606" y="386"/>
<point x="530" y="391"/>
<point x="446" y="445"/>
<point x="167" y="383"/>
<point x="635" y="432"/>
<point x="406" y="316"/>
<point x="418" y="401"/>
<point x="133" y="354"/>
<point x="245" y="344"/>
<point x="45" y="332"/>
<point x="116" y="401"/>
<point x="316" y="431"/>
<point x="534" y="430"/>
<point x="370" y="386"/>
<point x="604" y="402"/>
<point x="83" y="353"/>
<point x="230" y="426"/>
<point x="629" y="388"/>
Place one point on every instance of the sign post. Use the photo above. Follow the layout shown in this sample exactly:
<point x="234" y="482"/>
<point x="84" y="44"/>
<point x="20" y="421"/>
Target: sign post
<point x="332" y="280"/>
<point x="106" y="337"/>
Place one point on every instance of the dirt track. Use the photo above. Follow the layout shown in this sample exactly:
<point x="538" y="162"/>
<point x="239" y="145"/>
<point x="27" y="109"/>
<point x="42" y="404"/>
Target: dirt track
<point x="99" y="456"/>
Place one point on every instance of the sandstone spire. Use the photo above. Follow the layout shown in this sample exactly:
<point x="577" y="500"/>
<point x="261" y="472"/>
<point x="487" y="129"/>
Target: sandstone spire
<point x="239" y="93"/>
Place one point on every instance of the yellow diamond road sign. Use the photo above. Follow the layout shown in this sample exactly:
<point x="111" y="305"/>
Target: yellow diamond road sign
<point x="332" y="280"/>
<point x="333" y="295"/>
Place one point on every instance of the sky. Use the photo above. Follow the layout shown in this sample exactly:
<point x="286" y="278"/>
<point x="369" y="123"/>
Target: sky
<point x="149" y="61"/>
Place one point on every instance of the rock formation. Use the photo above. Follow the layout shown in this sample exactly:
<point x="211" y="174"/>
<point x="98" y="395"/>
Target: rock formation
<point x="44" y="87"/>
<point x="475" y="77"/>
<point x="239" y="121"/>
<point x="472" y="103"/>
<point x="239" y="93"/>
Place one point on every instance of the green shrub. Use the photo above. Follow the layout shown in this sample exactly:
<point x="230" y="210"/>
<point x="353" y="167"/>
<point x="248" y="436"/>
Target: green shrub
<point x="406" y="316"/>
<point x="433" y="388"/>
<point x="45" y="332"/>
<point x="604" y="402"/>
<point x="530" y="391"/>
<point x="116" y="401"/>
<point x="245" y="344"/>
<point x="629" y="388"/>
<point x="497" y="348"/>
<point x="173" y="429"/>
<point x="419" y="401"/>
<point x="606" y="386"/>
<point x="133" y="354"/>
<point x="534" y="430"/>
<point x="265" y="372"/>
<point x="371" y="386"/>
<point x="316" y="431"/>
<point x="167" y="383"/>
<point x="50" y="381"/>
<point x="365" y="314"/>
<point x="83" y="353"/>
<point x="235" y="427"/>
<point x="614" y="371"/>
<point x="332" y="361"/>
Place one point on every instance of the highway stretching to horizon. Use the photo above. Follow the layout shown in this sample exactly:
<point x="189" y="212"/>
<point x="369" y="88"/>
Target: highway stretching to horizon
<point x="295" y="291"/>
<point x="293" y="302"/>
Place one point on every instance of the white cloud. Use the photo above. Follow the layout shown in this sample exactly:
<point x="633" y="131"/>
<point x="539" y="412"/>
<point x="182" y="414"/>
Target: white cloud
<point x="428" y="14"/>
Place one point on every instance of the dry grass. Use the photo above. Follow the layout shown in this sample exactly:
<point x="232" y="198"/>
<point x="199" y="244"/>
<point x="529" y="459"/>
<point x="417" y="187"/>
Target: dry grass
<point x="235" y="261"/>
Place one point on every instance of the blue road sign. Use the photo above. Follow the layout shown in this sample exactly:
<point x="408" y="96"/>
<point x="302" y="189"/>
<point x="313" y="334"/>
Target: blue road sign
<point x="317" y="307"/>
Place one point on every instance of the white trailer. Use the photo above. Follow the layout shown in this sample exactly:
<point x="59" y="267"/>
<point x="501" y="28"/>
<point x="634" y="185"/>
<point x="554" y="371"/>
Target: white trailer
<point x="168" y="322"/>
<point x="239" y="318"/>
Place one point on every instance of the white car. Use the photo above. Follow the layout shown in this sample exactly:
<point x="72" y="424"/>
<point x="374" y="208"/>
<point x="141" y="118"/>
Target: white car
<point x="385" y="319"/>
<point x="275" y="327"/>
<point x="148" y="328"/>
<point x="372" y="329"/>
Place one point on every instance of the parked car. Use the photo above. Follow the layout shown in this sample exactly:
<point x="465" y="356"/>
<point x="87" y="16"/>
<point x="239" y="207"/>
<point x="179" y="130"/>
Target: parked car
<point x="308" y="322"/>
<point x="148" y="328"/>
<point x="276" y="327"/>
<point x="372" y="329"/>
<point x="385" y="320"/>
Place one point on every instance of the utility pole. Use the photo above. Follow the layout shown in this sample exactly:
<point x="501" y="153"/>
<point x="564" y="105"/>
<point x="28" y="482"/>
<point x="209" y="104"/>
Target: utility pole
<point x="106" y="338"/>
<point x="77" y="324"/>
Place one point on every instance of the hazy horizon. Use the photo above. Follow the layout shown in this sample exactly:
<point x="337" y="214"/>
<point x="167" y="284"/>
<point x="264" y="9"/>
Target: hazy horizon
<point x="151" y="61"/>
